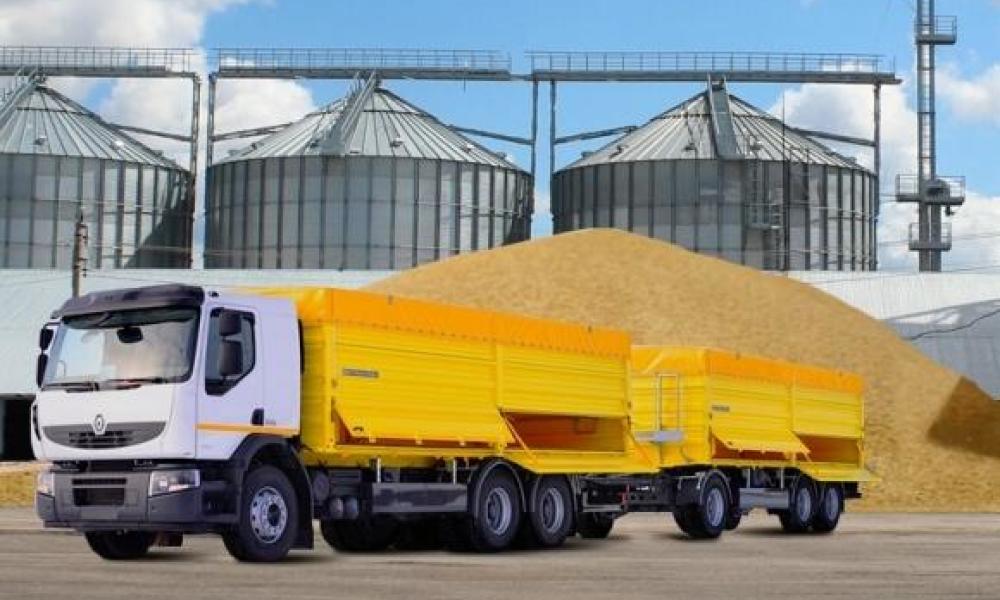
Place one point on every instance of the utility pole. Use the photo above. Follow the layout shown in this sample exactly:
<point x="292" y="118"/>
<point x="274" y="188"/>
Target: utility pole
<point x="79" y="265"/>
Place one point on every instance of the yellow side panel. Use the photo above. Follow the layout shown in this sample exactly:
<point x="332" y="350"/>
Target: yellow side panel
<point x="550" y="382"/>
<point x="838" y="472"/>
<point x="828" y="413"/>
<point x="752" y="415"/>
<point x="395" y="385"/>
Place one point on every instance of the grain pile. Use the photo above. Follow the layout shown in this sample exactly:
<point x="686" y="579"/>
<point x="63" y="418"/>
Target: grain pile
<point x="17" y="483"/>
<point x="933" y="437"/>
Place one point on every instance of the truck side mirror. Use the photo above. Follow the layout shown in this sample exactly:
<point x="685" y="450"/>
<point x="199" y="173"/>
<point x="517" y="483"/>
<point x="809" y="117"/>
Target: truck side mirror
<point x="230" y="323"/>
<point x="45" y="338"/>
<point x="40" y="366"/>
<point x="230" y="358"/>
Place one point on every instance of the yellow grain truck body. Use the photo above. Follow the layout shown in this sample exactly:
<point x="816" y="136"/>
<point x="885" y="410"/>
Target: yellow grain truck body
<point x="726" y="409"/>
<point x="413" y="383"/>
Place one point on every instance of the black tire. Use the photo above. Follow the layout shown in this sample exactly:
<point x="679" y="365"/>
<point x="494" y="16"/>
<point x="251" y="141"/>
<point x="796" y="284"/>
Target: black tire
<point x="269" y="518"/>
<point x="421" y="534"/>
<point x="594" y="526"/>
<point x="831" y="506"/>
<point x="733" y="519"/>
<point x="550" y="519"/>
<point x="496" y="517"/>
<point x="707" y="519"/>
<point x="119" y="545"/>
<point x="802" y="506"/>
<point x="364" y="534"/>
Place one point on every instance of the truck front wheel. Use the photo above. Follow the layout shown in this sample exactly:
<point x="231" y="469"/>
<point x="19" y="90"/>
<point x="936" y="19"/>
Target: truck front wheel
<point x="119" y="545"/>
<point x="268" y="518"/>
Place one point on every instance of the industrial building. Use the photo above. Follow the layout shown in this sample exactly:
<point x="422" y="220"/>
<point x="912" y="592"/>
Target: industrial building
<point x="368" y="182"/>
<point x="58" y="158"/>
<point x="720" y="176"/>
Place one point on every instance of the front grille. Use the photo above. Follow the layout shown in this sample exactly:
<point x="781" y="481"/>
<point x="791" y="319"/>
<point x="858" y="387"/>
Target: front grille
<point x="92" y="481"/>
<point x="117" y="435"/>
<point x="98" y="496"/>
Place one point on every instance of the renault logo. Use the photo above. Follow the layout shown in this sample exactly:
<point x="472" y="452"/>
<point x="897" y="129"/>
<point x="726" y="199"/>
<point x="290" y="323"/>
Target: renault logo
<point x="99" y="425"/>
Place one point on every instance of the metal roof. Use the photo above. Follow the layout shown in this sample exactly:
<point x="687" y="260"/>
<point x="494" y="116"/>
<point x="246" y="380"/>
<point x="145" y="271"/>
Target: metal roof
<point x="686" y="132"/>
<point x="386" y="126"/>
<point x="46" y="123"/>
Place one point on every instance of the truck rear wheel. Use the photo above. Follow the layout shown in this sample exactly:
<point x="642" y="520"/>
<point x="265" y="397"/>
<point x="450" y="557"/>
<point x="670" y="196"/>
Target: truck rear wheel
<point x="550" y="518"/>
<point x="497" y="514"/>
<point x="372" y="533"/>
<point x="802" y="506"/>
<point x="831" y="506"/>
<point x="594" y="526"/>
<point x="709" y="516"/>
<point x="268" y="518"/>
<point x="119" y="545"/>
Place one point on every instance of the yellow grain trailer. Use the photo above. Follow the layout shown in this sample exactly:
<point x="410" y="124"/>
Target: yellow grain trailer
<point x="395" y="421"/>
<point x="784" y="436"/>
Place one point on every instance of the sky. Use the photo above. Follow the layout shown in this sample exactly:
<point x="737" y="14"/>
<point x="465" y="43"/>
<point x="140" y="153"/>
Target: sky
<point x="968" y="78"/>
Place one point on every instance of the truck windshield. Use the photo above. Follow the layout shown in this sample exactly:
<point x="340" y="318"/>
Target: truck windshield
<point x="122" y="349"/>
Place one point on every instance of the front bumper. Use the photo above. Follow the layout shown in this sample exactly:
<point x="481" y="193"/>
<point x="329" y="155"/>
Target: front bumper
<point x="119" y="500"/>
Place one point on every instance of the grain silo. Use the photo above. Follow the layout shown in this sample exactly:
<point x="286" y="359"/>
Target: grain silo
<point x="56" y="158"/>
<point x="719" y="176"/>
<point x="367" y="182"/>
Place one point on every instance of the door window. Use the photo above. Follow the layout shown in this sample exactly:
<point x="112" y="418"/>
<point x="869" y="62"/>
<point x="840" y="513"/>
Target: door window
<point x="230" y="353"/>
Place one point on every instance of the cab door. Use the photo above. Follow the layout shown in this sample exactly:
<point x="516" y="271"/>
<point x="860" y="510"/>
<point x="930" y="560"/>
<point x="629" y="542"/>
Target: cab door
<point x="231" y="391"/>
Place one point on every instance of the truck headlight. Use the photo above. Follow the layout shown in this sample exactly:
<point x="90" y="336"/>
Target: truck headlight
<point x="165" y="482"/>
<point x="45" y="483"/>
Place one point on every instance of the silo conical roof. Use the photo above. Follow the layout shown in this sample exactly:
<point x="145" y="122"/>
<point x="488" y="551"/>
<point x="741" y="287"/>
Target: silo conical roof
<point x="48" y="123"/>
<point x="686" y="132"/>
<point x="386" y="126"/>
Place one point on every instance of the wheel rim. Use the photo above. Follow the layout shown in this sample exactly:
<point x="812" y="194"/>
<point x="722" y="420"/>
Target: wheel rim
<point x="715" y="507"/>
<point x="268" y="515"/>
<point x="499" y="511"/>
<point x="552" y="510"/>
<point x="803" y="504"/>
<point x="831" y="506"/>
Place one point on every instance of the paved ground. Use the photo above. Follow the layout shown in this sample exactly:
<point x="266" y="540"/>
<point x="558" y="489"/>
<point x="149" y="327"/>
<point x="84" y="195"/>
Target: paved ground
<point x="880" y="556"/>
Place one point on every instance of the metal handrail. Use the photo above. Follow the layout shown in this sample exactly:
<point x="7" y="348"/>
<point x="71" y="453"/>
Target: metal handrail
<point x="709" y="61"/>
<point x="89" y="58"/>
<point x="908" y="184"/>
<point x="943" y="25"/>
<point x="244" y="59"/>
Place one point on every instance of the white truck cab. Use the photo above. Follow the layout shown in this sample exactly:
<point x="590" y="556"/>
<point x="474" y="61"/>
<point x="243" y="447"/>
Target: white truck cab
<point x="149" y="401"/>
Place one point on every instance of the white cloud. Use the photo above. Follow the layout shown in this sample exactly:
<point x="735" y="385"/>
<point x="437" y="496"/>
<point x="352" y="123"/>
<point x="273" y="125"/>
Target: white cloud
<point x="541" y="221"/>
<point x="974" y="99"/>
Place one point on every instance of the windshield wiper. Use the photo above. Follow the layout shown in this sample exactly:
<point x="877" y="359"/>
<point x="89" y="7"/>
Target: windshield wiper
<point x="131" y="382"/>
<point x="73" y="386"/>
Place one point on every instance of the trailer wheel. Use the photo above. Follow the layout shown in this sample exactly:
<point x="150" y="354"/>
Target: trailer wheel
<point x="497" y="514"/>
<point x="119" y="545"/>
<point x="802" y="507"/>
<point x="268" y="518"/>
<point x="594" y="526"/>
<point x="831" y="506"/>
<point x="551" y="515"/>
<point x="364" y="534"/>
<point x="708" y="518"/>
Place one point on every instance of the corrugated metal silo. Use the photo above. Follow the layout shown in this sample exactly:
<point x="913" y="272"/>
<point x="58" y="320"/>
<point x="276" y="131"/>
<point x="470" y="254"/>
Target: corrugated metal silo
<point x="722" y="177"/>
<point x="368" y="182"/>
<point x="57" y="157"/>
